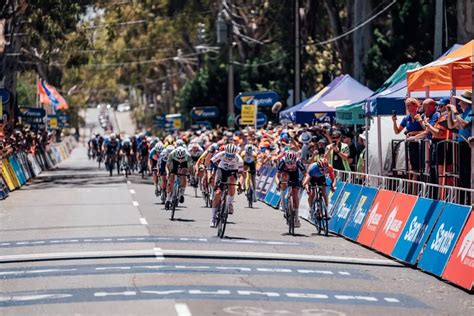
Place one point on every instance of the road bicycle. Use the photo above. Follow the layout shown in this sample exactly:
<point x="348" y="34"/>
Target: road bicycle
<point x="249" y="191"/>
<point x="125" y="165"/>
<point x="110" y="162"/>
<point x="289" y="210"/>
<point x="175" y="193"/>
<point x="319" y="211"/>
<point x="223" y="211"/>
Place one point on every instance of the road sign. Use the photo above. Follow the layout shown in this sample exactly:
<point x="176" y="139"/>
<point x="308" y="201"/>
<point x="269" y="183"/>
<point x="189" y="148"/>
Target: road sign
<point x="259" y="98"/>
<point x="31" y="112"/>
<point x="5" y="96"/>
<point x="205" y="113"/>
<point x="248" y="114"/>
<point x="262" y="119"/>
<point x="52" y="122"/>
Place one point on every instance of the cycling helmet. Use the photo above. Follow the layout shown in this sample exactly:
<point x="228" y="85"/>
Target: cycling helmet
<point x="290" y="157"/>
<point x="112" y="136"/>
<point x="97" y="135"/>
<point x="323" y="163"/>
<point x="170" y="148"/>
<point x="180" y="153"/>
<point x="180" y="143"/>
<point x="249" y="149"/>
<point x="159" y="146"/>
<point x="213" y="148"/>
<point x="231" y="149"/>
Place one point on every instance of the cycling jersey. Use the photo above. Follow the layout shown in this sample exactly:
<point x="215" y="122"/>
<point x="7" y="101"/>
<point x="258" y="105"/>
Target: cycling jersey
<point x="318" y="176"/>
<point x="175" y="164"/>
<point x="249" y="158"/>
<point x="293" y="172"/>
<point x="224" y="163"/>
<point x="195" y="152"/>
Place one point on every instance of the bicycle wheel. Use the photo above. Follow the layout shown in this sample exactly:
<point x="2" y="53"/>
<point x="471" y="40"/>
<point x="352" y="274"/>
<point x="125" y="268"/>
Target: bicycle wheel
<point x="324" y="218"/>
<point x="291" y="218"/>
<point x="163" y="196"/>
<point x="111" y="168"/>
<point x="250" y="197"/>
<point x="222" y="221"/>
<point x="317" y="216"/>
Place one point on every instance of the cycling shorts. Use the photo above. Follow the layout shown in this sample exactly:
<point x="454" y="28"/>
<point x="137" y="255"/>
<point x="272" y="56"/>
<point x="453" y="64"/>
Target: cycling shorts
<point x="176" y="165"/>
<point x="162" y="169"/>
<point x="317" y="181"/>
<point x="251" y="166"/>
<point x="224" y="175"/>
<point x="294" y="179"/>
<point x="195" y="159"/>
<point x="154" y="163"/>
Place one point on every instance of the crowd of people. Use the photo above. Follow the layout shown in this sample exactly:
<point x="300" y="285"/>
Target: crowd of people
<point x="438" y="139"/>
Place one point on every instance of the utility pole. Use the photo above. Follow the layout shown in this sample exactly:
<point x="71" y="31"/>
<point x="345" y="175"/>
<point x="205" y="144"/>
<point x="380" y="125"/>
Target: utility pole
<point x="438" y="34"/>
<point x="297" y="92"/>
<point x="230" y="80"/>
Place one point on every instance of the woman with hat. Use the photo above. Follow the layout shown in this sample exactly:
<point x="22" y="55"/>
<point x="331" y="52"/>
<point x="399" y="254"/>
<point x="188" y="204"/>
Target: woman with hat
<point x="463" y="122"/>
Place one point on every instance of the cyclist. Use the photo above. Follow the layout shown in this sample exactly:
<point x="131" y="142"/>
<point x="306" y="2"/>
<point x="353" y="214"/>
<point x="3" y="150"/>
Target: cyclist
<point x="93" y="144"/>
<point x="195" y="150"/>
<point x="205" y="161"/>
<point x="288" y="170"/>
<point x="162" y="160"/>
<point x="143" y="152"/>
<point x="153" y="158"/>
<point x="229" y="166"/>
<point x="126" y="150"/>
<point x="180" y="143"/>
<point x="249" y="156"/>
<point x="111" y="148"/>
<point x="179" y="162"/>
<point x="316" y="176"/>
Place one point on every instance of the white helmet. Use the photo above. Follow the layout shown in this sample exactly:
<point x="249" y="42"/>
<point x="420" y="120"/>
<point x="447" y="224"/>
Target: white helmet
<point x="180" y="153"/>
<point x="170" y="148"/>
<point x="231" y="149"/>
<point x="159" y="146"/>
<point x="249" y="149"/>
<point x="112" y="136"/>
<point x="180" y="143"/>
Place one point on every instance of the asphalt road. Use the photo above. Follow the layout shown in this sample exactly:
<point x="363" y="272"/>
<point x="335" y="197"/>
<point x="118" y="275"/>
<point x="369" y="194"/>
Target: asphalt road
<point x="76" y="241"/>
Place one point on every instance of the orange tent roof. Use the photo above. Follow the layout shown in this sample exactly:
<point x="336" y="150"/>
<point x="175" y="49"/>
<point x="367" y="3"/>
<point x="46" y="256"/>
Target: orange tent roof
<point x="451" y="71"/>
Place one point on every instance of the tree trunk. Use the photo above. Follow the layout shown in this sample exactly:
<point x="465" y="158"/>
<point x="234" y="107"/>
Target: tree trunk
<point x="343" y="45"/>
<point x="465" y="29"/>
<point x="361" y="39"/>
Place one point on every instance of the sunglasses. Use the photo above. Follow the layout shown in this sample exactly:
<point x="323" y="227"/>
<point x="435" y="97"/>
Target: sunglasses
<point x="229" y="156"/>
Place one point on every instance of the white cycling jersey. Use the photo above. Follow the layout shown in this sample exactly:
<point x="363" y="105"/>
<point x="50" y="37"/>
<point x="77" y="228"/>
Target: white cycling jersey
<point x="227" y="164"/>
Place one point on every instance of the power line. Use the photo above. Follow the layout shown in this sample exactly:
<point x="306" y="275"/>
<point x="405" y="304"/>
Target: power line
<point x="352" y="30"/>
<point x="263" y="63"/>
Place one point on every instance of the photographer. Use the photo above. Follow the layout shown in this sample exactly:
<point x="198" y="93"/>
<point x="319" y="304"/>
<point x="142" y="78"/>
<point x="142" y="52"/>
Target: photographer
<point x="337" y="153"/>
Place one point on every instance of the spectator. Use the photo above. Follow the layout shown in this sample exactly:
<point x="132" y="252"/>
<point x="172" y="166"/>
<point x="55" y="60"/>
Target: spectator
<point x="463" y="122"/>
<point x="337" y="153"/>
<point x="428" y="119"/>
<point x="413" y="128"/>
<point x="347" y="139"/>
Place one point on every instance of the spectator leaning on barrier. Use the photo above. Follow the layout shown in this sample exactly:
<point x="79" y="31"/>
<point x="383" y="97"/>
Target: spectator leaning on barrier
<point x="347" y="138"/>
<point x="463" y="122"/>
<point x="413" y="128"/>
<point x="337" y="153"/>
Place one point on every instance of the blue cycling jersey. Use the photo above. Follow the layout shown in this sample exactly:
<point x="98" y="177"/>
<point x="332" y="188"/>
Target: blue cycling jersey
<point x="315" y="171"/>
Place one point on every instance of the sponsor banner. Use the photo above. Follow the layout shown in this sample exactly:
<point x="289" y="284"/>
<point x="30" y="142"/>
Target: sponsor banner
<point x="346" y="204"/>
<point x="271" y="192"/>
<point x="334" y="196"/>
<point x="276" y="199"/>
<point x="9" y="175"/>
<point x="259" y="98"/>
<point x="304" y="209"/>
<point x="443" y="238"/>
<point x="375" y="217"/>
<point x="268" y="183"/>
<point x="263" y="178"/>
<point x="417" y="229"/>
<point x="16" y="168"/>
<point x="205" y="113"/>
<point x="460" y="267"/>
<point x="357" y="216"/>
<point x="394" y="222"/>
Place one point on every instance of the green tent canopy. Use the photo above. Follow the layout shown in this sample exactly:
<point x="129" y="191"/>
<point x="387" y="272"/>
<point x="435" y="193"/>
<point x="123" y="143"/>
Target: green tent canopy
<point x="355" y="114"/>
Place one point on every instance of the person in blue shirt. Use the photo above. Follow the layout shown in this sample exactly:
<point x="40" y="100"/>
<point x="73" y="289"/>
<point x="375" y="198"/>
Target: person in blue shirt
<point x="463" y="122"/>
<point x="413" y="128"/>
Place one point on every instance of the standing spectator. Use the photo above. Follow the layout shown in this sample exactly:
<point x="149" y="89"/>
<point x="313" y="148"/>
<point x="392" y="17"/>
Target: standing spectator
<point x="413" y="128"/>
<point x="347" y="139"/>
<point x="337" y="153"/>
<point x="463" y="122"/>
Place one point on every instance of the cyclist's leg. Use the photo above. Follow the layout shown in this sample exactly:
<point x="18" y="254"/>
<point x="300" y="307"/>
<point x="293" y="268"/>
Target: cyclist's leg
<point x="182" y="184"/>
<point x="253" y="172"/>
<point x="284" y="178"/>
<point x="245" y="176"/>
<point x="217" y="197"/>
<point x="230" y="198"/>
<point x="325" y="196"/>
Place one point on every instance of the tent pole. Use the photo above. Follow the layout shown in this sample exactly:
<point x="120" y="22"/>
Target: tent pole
<point x="366" y="138"/>
<point x="379" y="137"/>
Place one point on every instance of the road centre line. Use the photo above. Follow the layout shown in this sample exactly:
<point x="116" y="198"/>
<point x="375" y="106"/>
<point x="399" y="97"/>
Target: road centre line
<point x="132" y="191"/>
<point x="182" y="309"/>
<point x="143" y="221"/>
<point x="135" y="203"/>
<point x="196" y="253"/>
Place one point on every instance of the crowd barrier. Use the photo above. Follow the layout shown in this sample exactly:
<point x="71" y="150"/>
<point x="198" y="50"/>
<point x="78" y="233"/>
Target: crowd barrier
<point x="399" y="218"/>
<point x="18" y="168"/>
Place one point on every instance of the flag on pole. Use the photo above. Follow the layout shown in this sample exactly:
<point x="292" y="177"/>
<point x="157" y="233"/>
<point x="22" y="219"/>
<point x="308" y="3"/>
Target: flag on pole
<point x="50" y="96"/>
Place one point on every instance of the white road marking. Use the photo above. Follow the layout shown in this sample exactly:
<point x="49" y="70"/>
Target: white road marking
<point x="234" y="268"/>
<point x="33" y="297"/>
<point x="37" y="242"/>
<point x="132" y="191"/>
<point x="307" y="295"/>
<point x="197" y="253"/>
<point x="135" y="203"/>
<point x="104" y="294"/>
<point x="344" y="273"/>
<point x="112" y="268"/>
<point x="128" y="182"/>
<point x="192" y="267"/>
<point x="352" y="297"/>
<point x="5" y="244"/>
<point x="158" y="254"/>
<point x="49" y="270"/>
<point x="143" y="221"/>
<point x="391" y="300"/>
<point x="304" y="271"/>
<point x="274" y="270"/>
<point x="182" y="309"/>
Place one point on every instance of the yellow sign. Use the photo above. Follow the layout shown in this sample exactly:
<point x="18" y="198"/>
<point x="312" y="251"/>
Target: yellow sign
<point x="53" y="123"/>
<point x="1" y="109"/>
<point x="177" y="124"/>
<point x="248" y="114"/>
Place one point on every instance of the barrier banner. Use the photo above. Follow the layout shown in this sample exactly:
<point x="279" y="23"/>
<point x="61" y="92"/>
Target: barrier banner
<point x="344" y="207"/>
<point x="3" y="189"/>
<point x="443" y="238"/>
<point x="271" y="192"/>
<point x="460" y="267"/>
<point x="34" y="165"/>
<point x="7" y="173"/>
<point x="268" y="183"/>
<point x="394" y="222"/>
<point x="17" y="170"/>
<point x="375" y="217"/>
<point x="357" y="216"/>
<point x="304" y="209"/>
<point x="261" y="181"/>
<point x="24" y="164"/>
<point x="417" y="229"/>
<point x="334" y="196"/>
<point x="276" y="198"/>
